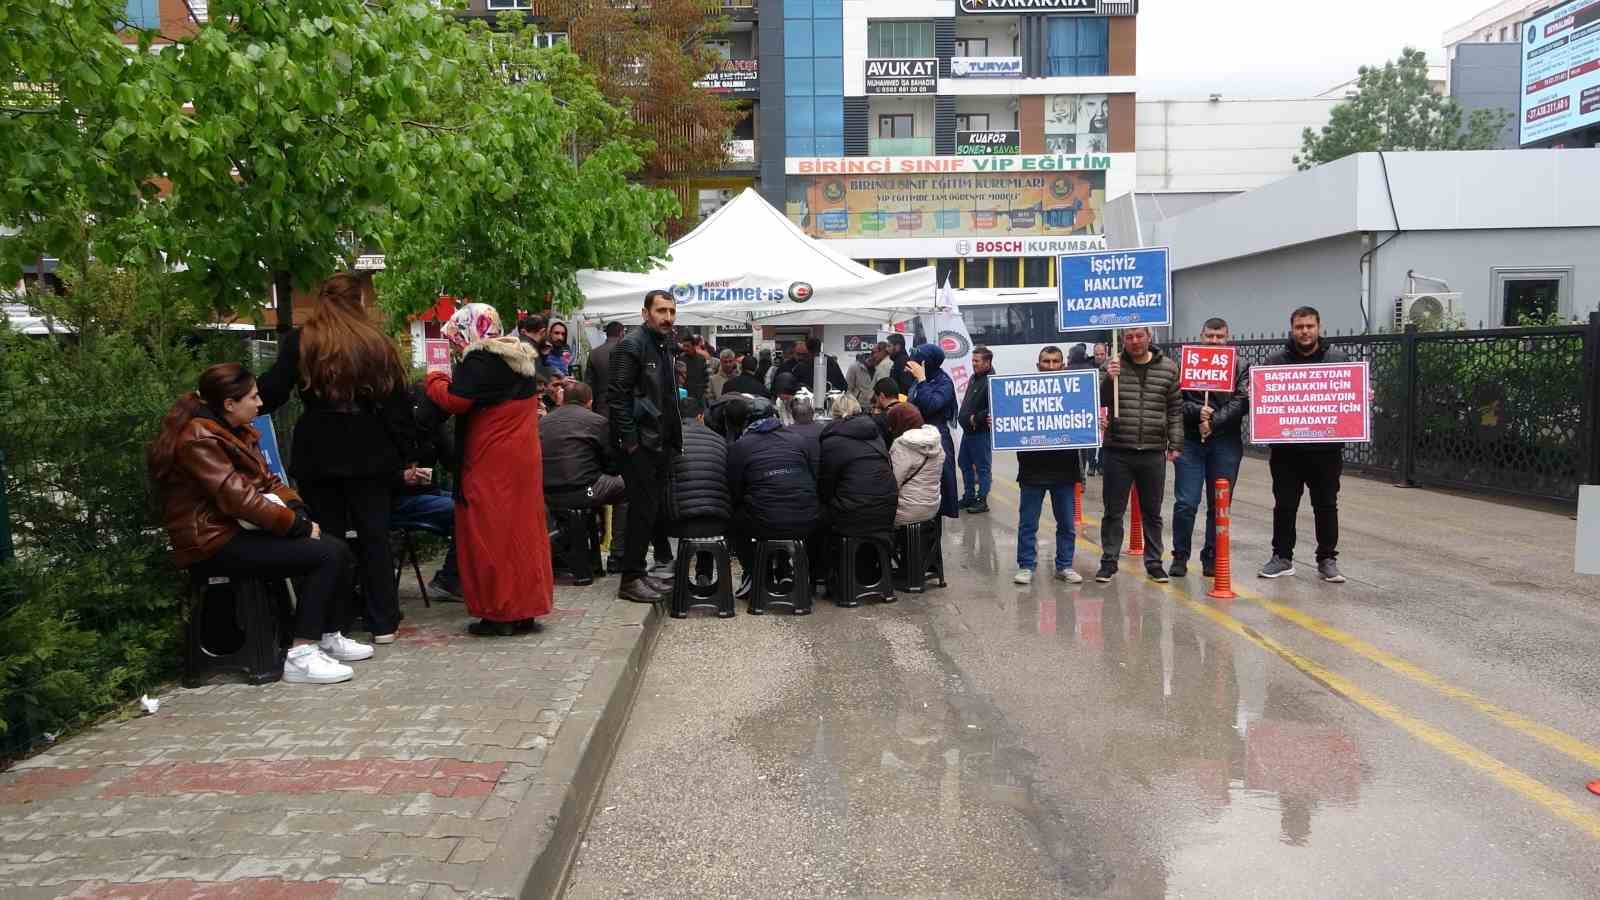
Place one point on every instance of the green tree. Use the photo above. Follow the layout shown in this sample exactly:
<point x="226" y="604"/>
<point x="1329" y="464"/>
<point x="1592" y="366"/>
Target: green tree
<point x="1396" y="109"/>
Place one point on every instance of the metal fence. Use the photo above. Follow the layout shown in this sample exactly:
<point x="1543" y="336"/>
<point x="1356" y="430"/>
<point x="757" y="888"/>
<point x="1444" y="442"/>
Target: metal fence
<point x="1507" y="410"/>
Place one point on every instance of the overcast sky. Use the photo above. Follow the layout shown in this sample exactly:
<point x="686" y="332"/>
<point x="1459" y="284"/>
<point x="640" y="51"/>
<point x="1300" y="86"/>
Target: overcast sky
<point x="1281" y="48"/>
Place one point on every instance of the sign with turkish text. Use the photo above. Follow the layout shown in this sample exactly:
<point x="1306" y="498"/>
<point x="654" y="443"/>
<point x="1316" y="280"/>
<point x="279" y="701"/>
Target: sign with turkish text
<point x="942" y="165"/>
<point x="1207" y="367"/>
<point x="734" y="77"/>
<point x="902" y="76"/>
<point x="1056" y="204"/>
<point x="1114" y="289"/>
<point x="980" y="7"/>
<point x="985" y="67"/>
<point x="438" y="355"/>
<point x="1314" y="403"/>
<point x="1560" y="70"/>
<point x="1045" y="410"/>
<point x="988" y="143"/>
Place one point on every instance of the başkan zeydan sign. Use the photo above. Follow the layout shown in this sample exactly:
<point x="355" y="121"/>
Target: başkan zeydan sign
<point x="902" y="76"/>
<point x="1320" y="403"/>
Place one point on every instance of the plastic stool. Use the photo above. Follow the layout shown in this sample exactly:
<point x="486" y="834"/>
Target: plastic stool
<point x="259" y="621"/>
<point x="764" y="593"/>
<point x="919" y="550"/>
<point x="849" y="589"/>
<point x="689" y="591"/>
<point x="572" y="541"/>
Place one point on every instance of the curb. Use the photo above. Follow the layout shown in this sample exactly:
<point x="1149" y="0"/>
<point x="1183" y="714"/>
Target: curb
<point x="537" y="850"/>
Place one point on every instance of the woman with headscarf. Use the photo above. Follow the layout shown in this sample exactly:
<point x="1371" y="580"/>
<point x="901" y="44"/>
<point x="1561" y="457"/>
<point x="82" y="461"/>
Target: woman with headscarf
<point x="917" y="456"/>
<point x="501" y="541"/>
<point x="934" y="395"/>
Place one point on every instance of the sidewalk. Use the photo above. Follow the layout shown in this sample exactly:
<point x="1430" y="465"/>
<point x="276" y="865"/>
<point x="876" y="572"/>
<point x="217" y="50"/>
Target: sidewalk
<point x="450" y="766"/>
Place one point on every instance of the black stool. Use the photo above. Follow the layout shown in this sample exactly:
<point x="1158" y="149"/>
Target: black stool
<point x="689" y="590"/>
<point x="573" y="544"/>
<point x="258" y="623"/>
<point x="766" y="592"/>
<point x="849" y="589"/>
<point x="920" y="552"/>
<point x="404" y="543"/>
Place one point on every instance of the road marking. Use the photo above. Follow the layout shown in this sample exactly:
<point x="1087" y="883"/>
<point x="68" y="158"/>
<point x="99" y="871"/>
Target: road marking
<point x="1554" y="738"/>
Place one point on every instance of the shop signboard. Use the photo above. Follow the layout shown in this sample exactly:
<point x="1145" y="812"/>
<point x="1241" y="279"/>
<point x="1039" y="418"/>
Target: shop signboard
<point x="1012" y="7"/>
<point x="733" y="77"/>
<point x="741" y="151"/>
<point x="1114" y="289"/>
<point x="860" y="343"/>
<point x="988" y="143"/>
<point x="1045" y="410"/>
<point x="1011" y="205"/>
<point x="1315" y="404"/>
<point x="985" y="67"/>
<point x="931" y="165"/>
<point x="902" y="76"/>
<point x="1560" y="70"/>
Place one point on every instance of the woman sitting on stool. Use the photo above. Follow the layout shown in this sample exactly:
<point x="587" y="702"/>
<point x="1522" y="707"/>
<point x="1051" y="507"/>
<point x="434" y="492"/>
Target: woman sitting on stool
<point x="228" y="514"/>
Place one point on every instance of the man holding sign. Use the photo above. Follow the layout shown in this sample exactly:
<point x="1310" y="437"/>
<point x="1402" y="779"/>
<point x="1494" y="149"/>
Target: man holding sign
<point x="1144" y="435"/>
<point x="1215" y="398"/>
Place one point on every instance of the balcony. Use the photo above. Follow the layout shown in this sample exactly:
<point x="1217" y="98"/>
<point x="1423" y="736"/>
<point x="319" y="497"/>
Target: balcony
<point x="914" y="146"/>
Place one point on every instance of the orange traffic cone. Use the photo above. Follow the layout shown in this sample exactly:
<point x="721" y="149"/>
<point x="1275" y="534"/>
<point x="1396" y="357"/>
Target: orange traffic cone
<point x="1135" y="525"/>
<point x="1222" y="583"/>
<point x="1077" y="506"/>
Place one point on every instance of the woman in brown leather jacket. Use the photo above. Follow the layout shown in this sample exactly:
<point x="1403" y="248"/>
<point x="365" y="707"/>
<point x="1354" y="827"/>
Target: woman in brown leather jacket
<point x="228" y="514"/>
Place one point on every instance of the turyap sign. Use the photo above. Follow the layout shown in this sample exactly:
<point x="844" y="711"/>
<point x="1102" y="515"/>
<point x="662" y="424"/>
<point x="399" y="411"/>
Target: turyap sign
<point x="732" y="292"/>
<point x="932" y="165"/>
<point x="979" y="7"/>
<point x="985" y="67"/>
<point x="902" y="76"/>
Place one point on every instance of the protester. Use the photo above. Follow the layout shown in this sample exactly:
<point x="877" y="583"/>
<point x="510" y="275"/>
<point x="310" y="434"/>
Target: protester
<point x="807" y="357"/>
<point x="803" y="418"/>
<point x="1213" y="445"/>
<point x="227" y="514"/>
<point x="934" y="395"/>
<point x="500" y="512"/>
<point x="419" y="504"/>
<point x="355" y="433"/>
<point x="699" y="504"/>
<point x="1078" y="358"/>
<point x="532" y="330"/>
<point x="1149" y="428"/>
<point x="645" y="428"/>
<point x="784" y="388"/>
<point x="772" y="479"/>
<point x="727" y="370"/>
<point x="917" y="454"/>
<point x="885" y="393"/>
<point x="597" y="370"/>
<point x="882" y="365"/>
<point x="859" y="380"/>
<point x="557" y="354"/>
<point x="1041" y="474"/>
<point x="774" y="369"/>
<point x="897" y="362"/>
<point x="576" y="444"/>
<point x="977" y="455"/>
<point x="1299" y="468"/>
<point x="696" y="362"/>
<point x="856" y="483"/>
<point x="746" y="382"/>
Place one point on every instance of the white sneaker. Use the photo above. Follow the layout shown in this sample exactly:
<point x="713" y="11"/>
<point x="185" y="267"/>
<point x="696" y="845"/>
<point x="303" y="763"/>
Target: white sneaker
<point x="307" y="664"/>
<point x="1023" y="576"/>
<point x="343" y="649"/>
<point x="383" y="638"/>
<point x="1069" y="576"/>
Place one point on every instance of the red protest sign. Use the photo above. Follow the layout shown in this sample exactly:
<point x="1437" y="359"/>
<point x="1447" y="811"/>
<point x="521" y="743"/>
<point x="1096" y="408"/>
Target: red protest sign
<point x="1321" y="403"/>
<point x="1207" y="367"/>
<point x="438" y="355"/>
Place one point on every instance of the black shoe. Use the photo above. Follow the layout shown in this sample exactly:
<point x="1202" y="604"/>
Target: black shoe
<point x="527" y="626"/>
<point x="638" y="590"/>
<point x="1180" y="568"/>
<point x="1208" y="568"/>
<point x="1107" y="570"/>
<point x="614" y="565"/>
<point x="1156" y="573"/>
<point x="662" y="586"/>
<point x="486" y="628"/>
<point x="982" y="506"/>
<point x="446" y="589"/>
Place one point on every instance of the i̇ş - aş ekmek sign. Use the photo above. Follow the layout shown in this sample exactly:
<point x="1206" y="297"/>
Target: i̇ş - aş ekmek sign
<point x="1114" y="289"/>
<point x="1317" y="403"/>
<point x="902" y="76"/>
<point x="1045" y="410"/>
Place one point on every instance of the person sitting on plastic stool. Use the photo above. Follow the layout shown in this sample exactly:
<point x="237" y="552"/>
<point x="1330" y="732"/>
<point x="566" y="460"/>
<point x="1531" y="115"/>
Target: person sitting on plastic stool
<point x="418" y="503"/>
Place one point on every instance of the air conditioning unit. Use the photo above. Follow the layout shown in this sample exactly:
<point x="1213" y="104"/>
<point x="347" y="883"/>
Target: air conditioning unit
<point x="1427" y="311"/>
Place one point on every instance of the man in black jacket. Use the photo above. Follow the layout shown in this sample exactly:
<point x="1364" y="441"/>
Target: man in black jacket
<point x="898" y="359"/>
<point x="803" y="368"/>
<point x="1042" y="473"/>
<point x="747" y="381"/>
<point x="976" y="457"/>
<point x="1139" y="443"/>
<point x="575" y="442"/>
<point x="1297" y="468"/>
<point x="772" y="478"/>
<point x="1213" y="445"/>
<point x="597" y="370"/>
<point x="699" y="503"/>
<point x="645" y="430"/>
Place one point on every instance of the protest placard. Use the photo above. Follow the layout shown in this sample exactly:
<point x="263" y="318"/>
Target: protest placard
<point x="1045" y="410"/>
<point x="438" y="351"/>
<point x="1114" y="289"/>
<point x="1319" y="403"/>
<point x="269" y="446"/>
<point x="1207" y="367"/>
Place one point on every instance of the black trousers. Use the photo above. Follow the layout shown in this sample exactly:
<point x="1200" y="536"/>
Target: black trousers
<point x="1125" y="470"/>
<point x="1294" y="470"/>
<point x="325" y="565"/>
<point x="361" y="505"/>
<point x="645" y="474"/>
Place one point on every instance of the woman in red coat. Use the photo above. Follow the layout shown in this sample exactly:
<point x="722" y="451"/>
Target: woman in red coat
<point x="501" y="542"/>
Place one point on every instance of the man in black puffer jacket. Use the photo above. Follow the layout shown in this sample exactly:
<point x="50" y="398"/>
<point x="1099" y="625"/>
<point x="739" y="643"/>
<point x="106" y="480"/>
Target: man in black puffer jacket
<point x="772" y="477"/>
<point x="856" y="485"/>
<point x="1139" y="443"/>
<point x="698" y="501"/>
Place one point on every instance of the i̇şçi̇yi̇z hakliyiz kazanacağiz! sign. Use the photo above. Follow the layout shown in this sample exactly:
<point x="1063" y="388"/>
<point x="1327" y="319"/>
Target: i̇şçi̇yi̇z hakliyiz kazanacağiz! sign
<point x="1114" y="289"/>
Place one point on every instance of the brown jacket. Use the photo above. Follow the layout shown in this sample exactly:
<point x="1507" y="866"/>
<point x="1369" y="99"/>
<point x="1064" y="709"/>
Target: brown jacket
<point x="217" y="478"/>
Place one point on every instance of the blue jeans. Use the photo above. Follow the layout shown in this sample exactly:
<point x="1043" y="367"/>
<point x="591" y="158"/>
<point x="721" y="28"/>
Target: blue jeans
<point x="428" y="512"/>
<point x="1028" y="523"/>
<point x="1201" y="464"/>
<point x="975" y="460"/>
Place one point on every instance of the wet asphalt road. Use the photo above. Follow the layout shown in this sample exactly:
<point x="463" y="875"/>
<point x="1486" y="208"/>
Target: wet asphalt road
<point x="1425" y="730"/>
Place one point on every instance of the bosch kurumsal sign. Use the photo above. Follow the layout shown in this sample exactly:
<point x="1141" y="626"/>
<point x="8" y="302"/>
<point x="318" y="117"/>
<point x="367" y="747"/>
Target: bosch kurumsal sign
<point x="979" y="7"/>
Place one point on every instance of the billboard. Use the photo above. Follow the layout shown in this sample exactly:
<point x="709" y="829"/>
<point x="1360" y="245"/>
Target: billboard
<point x="902" y="76"/>
<point x="1076" y="123"/>
<point x="1560" y="71"/>
<point x="957" y="205"/>
<point x="734" y="77"/>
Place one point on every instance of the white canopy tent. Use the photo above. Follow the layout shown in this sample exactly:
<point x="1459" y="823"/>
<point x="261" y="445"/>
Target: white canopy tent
<point x="748" y="263"/>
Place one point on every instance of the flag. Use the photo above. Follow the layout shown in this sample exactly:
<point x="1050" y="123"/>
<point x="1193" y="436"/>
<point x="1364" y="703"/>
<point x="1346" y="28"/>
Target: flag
<point x="947" y="329"/>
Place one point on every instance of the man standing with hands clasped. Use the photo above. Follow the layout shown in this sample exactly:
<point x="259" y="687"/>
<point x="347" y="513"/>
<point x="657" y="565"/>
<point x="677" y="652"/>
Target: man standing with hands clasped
<point x="1138" y="444"/>
<point x="1213" y="445"/>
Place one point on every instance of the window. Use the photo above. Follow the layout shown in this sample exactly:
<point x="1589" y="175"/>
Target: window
<point x="887" y="266"/>
<point x="144" y="13"/>
<point x="896" y="125"/>
<point x="549" y="38"/>
<point x="1531" y="293"/>
<point x="972" y="47"/>
<point x="723" y="49"/>
<point x="510" y="4"/>
<point x="945" y="270"/>
<point x="1502" y="34"/>
<point x="972" y="121"/>
<point x="1077" y="46"/>
<point x="1037" y="270"/>
<point x="1014" y="323"/>
<point x="1008" y="272"/>
<point x="899" y="40"/>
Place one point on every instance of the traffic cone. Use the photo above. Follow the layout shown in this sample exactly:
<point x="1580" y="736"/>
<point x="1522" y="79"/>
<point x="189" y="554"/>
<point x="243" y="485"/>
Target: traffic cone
<point x="1135" y="526"/>
<point x="1222" y="584"/>
<point x="1077" y="506"/>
